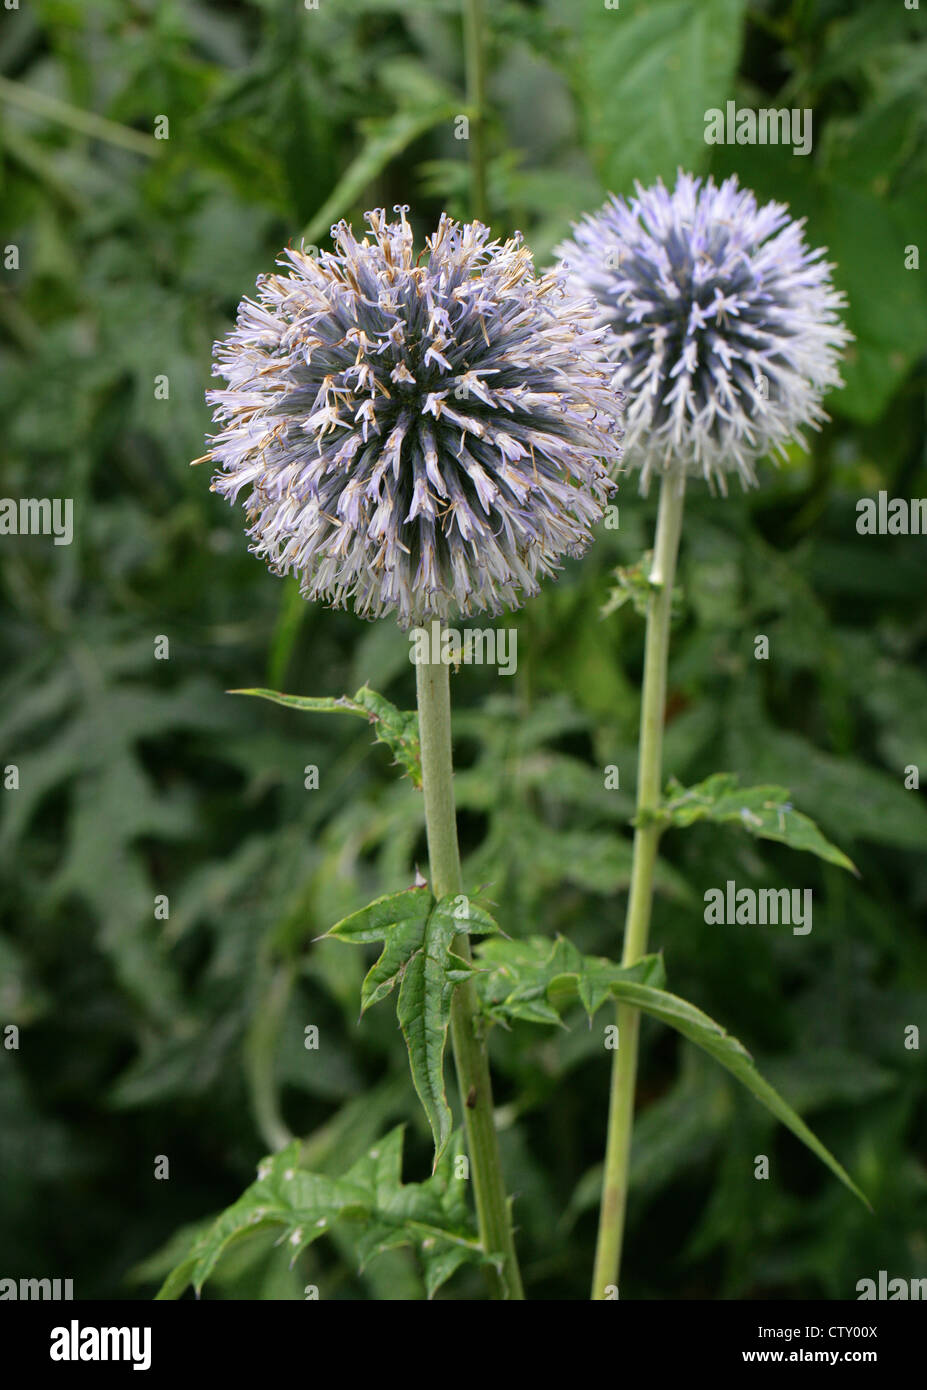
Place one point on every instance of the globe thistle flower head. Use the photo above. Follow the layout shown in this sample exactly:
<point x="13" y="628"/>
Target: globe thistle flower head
<point x="425" y="436"/>
<point x="725" y="325"/>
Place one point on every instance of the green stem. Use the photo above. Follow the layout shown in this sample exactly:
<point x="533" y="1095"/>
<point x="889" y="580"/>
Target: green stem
<point x="39" y="103"/>
<point x="475" y="58"/>
<point x="276" y="986"/>
<point x="492" y="1208"/>
<point x="646" y="841"/>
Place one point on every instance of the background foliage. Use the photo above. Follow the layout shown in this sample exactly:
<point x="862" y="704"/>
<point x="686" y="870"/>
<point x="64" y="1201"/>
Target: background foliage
<point x="140" y="777"/>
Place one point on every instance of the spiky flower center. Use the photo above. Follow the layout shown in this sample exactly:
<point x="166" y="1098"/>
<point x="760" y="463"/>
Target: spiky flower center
<point x="424" y="435"/>
<point x="724" y="325"/>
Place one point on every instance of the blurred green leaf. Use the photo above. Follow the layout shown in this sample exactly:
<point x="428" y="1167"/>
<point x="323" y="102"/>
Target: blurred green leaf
<point x="845" y="794"/>
<point x="383" y="141"/>
<point x="647" y="74"/>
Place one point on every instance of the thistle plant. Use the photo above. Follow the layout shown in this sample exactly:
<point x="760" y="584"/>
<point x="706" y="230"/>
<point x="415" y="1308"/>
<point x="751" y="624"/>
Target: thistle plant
<point x="725" y="335"/>
<point x="428" y="437"/>
<point x="424" y="436"/>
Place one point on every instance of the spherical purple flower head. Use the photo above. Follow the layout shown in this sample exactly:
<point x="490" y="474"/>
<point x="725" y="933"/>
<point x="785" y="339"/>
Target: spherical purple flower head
<point x="725" y="324"/>
<point x="420" y="436"/>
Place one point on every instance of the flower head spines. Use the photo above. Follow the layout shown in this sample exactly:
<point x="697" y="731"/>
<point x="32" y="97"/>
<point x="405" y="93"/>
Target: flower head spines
<point x="427" y="435"/>
<point x="724" y="326"/>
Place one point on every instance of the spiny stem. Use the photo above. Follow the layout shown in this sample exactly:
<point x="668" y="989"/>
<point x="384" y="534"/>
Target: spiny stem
<point x="637" y="925"/>
<point x="492" y="1207"/>
<point x="475" y="57"/>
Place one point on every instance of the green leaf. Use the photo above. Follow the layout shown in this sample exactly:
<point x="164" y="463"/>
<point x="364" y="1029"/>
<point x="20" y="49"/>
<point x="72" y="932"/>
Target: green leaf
<point x="866" y="152"/>
<point x="321" y="704"/>
<point x="375" y="921"/>
<point x="535" y="978"/>
<point x="74" y="118"/>
<point x="381" y="978"/>
<point x="370" y="1203"/>
<point x="734" y="1057"/>
<point x="765" y="812"/>
<point x="398" y="729"/>
<point x="424" y="1012"/>
<point x="385" y="139"/>
<point x="647" y="78"/>
<point x="862" y="801"/>
<point x="418" y="932"/>
<point x="538" y="971"/>
<point x="865" y="237"/>
<point x="632" y="585"/>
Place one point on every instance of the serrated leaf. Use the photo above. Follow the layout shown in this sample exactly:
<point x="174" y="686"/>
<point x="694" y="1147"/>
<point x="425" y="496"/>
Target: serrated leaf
<point x="398" y="729"/>
<point x="419" y="931"/>
<point x="536" y="978"/>
<point x="536" y="967"/>
<point x="458" y="913"/>
<point x="370" y="1203"/>
<point x="381" y="978"/>
<point x="312" y="704"/>
<point x="376" y="920"/>
<point x="847" y="795"/>
<point x="399" y="920"/>
<point x="424" y="1013"/>
<point x="765" y="812"/>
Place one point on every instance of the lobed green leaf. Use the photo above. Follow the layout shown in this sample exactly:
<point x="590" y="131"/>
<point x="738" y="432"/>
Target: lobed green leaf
<point x="536" y="978"/>
<point x="398" y="729"/>
<point x="765" y="812"/>
<point x="418" y="932"/>
<point x="533" y="979"/>
<point x="370" y="1203"/>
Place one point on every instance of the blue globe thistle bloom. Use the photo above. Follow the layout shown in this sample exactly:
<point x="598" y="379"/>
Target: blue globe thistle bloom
<point x="725" y="326"/>
<point x="421" y="436"/>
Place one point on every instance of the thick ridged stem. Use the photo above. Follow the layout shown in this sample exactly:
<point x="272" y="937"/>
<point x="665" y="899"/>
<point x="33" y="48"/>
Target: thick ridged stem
<point x="492" y="1207"/>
